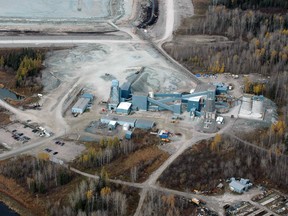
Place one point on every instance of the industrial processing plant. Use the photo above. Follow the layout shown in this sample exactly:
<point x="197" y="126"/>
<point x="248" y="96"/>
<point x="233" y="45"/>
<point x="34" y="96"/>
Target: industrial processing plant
<point x="208" y="101"/>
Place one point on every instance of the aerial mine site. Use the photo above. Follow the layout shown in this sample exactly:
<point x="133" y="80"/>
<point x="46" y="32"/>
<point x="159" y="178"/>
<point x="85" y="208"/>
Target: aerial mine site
<point x="152" y="107"/>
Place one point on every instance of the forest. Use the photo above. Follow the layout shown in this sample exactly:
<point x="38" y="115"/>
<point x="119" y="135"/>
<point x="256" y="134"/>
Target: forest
<point x="253" y="4"/>
<point x="62" y="192"/>
<point x="272" y="139"/>
<point x="223" y="157"/>
<point x="26" y="63"/>
<point x="92" y="197"/>
<point x="36" y="175"/>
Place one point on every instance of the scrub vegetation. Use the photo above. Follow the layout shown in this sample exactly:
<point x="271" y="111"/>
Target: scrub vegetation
<point x="38" y="176"/>
<point x="202" y="167"/>
<point x="130" y="160"/>
<point x="26" y="63"/>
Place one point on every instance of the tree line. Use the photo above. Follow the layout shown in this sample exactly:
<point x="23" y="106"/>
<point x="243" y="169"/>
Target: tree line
<point x="27" y="63"/>
<point x="91" y="197"/>
<point x="252" y="4"/>
<point x="37" y="175"/>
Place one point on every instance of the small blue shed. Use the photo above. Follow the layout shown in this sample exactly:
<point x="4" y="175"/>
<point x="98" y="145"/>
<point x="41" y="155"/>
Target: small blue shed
<point x="128" y="135"/>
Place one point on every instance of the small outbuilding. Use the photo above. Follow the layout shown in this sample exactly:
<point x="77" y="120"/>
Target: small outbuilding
<point x="220" y="120"/>
<point x="128" y="135"/>
<point x="112" y="125"/>
<point x="164" y="134"/>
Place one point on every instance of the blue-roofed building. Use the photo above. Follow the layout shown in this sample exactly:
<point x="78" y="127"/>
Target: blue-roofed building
<point x="193" y="103"/>
<point x="237" y="187"/>
<point x="164" y="134"/>
<point x="140" y="101"/>
<point x="80" y="106"/>
<point x="125" y="90"/>
<point x="144" y="124"/>
<point x="240" y="186"/>
<point x="128" y="135"/>
<point x="221" y="88"/>
<point x="88" y="95"/>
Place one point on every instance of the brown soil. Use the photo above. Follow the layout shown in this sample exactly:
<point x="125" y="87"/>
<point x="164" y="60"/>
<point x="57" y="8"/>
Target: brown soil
<point x="147" y="160"/>
<point x="4" y="118"/>
<point x="26" y="202"/>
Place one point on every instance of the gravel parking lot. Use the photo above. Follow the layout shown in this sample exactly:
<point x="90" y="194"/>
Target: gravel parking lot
<point x="66" y="151"/>
<point x="21" y="133"/>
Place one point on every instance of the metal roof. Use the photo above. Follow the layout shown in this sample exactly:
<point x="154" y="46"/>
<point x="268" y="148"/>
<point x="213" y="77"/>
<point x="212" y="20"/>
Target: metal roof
<point x="113" y="123"/>
<point x="87" y="95"/>
<point x="81" y="103"/>
<point x="129" y="132"/>
<point x="196" y="99"/>
<point x="124" y="106"/>
<point x="236" y="185"/>
<point x="142" y="123"/>
<point x="118" y="119"/>
<point x="140" y="94"/>
<point x="126" y="86"/>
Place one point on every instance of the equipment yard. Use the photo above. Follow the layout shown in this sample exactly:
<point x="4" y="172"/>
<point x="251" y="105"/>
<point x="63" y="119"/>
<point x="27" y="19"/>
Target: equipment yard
<point x="113" y="99"/>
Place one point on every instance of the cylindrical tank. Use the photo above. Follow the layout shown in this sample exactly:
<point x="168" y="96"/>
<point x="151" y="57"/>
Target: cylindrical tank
<point x="247" y="103"/>
<point x="257" y="107"/>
